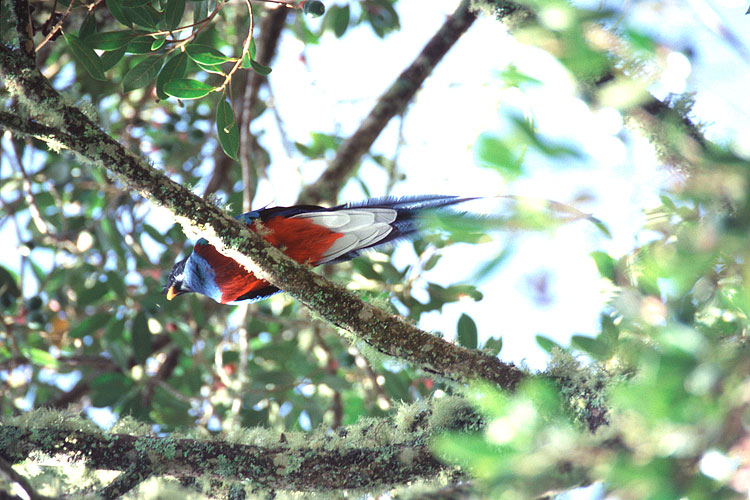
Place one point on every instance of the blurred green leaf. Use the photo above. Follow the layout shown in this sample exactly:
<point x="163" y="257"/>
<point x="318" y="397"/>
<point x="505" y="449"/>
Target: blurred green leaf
<point x="109" y="388"/>
<point x="605" y="264"/>
<point x="141" y="338"/>
<point x="142" y="73"/>
<point x="467" y="332"/>
<point x="40" y="357"/>
<point x="492" y="152"/>
<point x="227" y="130"/>
<point x="89" y="326"/>
<point x="591" y="346"/>
<point x="337" y="18"/>
<point x="493" y="345"/>
<point x="547" y="344"/>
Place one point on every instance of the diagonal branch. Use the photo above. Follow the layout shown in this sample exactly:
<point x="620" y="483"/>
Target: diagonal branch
<point x="391" y="103"/>
<point x="386" y="333"/>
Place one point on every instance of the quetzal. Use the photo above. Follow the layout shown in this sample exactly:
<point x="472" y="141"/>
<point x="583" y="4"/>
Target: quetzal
<point x="306" y="233"/>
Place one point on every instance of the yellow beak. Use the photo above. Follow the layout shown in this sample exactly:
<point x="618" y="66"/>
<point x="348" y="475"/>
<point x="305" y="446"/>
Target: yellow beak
<point x="171" y="293"/>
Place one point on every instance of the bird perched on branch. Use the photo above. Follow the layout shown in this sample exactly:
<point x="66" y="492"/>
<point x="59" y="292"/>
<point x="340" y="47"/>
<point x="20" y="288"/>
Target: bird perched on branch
<point x="306" y="233"/>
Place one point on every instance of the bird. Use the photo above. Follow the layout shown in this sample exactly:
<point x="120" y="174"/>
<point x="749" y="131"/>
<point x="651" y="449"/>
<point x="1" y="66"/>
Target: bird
<point x="309" y="234"/>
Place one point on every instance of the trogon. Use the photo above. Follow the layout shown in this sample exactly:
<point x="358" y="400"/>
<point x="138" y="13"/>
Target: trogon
<point x="308" y="234"/>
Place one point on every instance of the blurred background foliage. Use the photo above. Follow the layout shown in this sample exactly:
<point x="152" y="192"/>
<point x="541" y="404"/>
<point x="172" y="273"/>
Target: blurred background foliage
<point x="84" y="322"/>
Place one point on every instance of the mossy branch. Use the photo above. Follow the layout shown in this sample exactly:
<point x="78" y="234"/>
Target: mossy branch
<point x="369" y="454"/>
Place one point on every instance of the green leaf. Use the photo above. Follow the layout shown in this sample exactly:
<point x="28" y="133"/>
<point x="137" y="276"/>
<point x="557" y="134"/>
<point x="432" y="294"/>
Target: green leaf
<point x="143" y="16"/>
<point x="86" y="56"/>
<point x="252" y="49"/>
<point x="140" y="45"/>
<point x="140" y="338"/>
<point x="158" y="42"/>
<point x="8" y="283"/>
<point x="108" y="388"/>
<point x="200" y="10"/>
<point x="118" y="12"/>
<point x="339" y="19"/>
<point x="110" y="40"/>
<point x="109" y="59"/>
<point x="92" y="295"/>
<point x="247" y="61"/>
<point x="226" y="127"/>
<point x="494" y="345"/>
<point x="547" y="344"/>
<point x="592" y="346"/>
<point x="205" y="55"/>
<point x="605" y="264"/>
<point x="173" y="13"/>
<point x="545" y="146"/>
<point x="259" y="68"/>
<point x="135" y="3"/>
<point x="185" y="88"/>
<point x="142" y="73"/>
<point x="216" y="69"/>
<point x="88" y="26"/>
<point x="40" y="357"/>
<point x="155" y="235"/>
<point x="89" y="325"/>
<point x="467" y="332"/>
<point x="514" y="78"/>
<point x="492" y="152"/>
<point x="174" y="69"/>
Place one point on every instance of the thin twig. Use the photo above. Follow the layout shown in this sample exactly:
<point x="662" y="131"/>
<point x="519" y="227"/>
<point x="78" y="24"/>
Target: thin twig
<point x="245" y="50"/>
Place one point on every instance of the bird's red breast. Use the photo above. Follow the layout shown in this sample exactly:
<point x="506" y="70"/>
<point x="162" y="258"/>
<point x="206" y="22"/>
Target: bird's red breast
<point x="299" y="238"/>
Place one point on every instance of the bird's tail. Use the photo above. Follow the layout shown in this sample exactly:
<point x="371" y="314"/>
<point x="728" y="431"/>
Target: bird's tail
<point x="408" y="209"/>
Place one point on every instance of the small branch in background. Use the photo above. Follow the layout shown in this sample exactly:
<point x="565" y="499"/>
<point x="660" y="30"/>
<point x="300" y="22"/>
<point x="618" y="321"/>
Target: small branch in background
<point x="69" y="397"/>
<point x="391" y="103"/>
<point x="381" y="397"/>
<point x="15" y="477"/>
<point x="331" y="367"/>
<point x="162" y="374"/>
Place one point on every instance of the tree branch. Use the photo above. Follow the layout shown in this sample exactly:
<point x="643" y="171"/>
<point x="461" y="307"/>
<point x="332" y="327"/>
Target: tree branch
<point x="391" y="103"/>
<point x="273" y="467"/>
<point x="389" y="334"/>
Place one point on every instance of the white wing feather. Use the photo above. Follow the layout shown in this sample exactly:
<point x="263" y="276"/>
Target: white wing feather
<point x="361" y="227"/>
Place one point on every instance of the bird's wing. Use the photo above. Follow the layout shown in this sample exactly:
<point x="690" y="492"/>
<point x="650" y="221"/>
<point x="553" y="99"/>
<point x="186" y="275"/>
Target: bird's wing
<point x="359" y="228"/>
